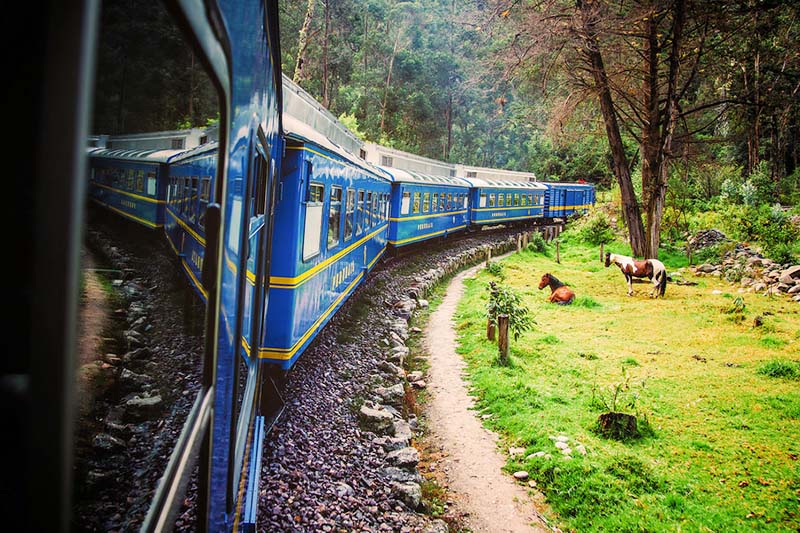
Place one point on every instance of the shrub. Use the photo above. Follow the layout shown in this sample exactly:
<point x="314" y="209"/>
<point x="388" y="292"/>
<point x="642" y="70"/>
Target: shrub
<point x="596" y="229"/>
<point x="495" y="269"/>
<point x="538" y="244"/>
<point x="505" y="301"/>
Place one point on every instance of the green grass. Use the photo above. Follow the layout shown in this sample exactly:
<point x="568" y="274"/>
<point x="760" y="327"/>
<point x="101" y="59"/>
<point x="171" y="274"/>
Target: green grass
<point x="721" y="450"/>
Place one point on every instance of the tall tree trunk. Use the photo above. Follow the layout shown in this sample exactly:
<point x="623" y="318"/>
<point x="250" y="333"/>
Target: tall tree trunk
<point x="302" y="44"/>
<point x="389" y="80"/>
<point x="326" y="99"/>
<point x="619" y="161"/>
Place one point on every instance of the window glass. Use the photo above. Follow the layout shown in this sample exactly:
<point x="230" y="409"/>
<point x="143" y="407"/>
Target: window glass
<point x="140" y="181"/>
<point x="205" y="188"/>
<point x="193" y="201"/>
<point x="516" y="199"/>
<point x="334" y="216"/>
<point x="368" y="223"/>
<point x="187" y="195"/>
<point x="501" y="200"/>
<point x="151" y="184"/>
<point x="350" y="208"/>
<point x="415" y="207"/>
<point x="435" y="202"/>
<point x="405" y="205"/>
<point x="426" y="202"/>
<point x="509" y="199"/>
<point x="464" y="200"/>
<point x="482" y="201"/>
<point x="524" y="200"/>
<point x="491" y="200"/>
<point x="376" y="211"/>
<point x="130" y="179"/>
<point x="313" y="223"/>
<point x="442" y="201"/>
<point x="449" y="201"/>
<point x="360" y="213"/>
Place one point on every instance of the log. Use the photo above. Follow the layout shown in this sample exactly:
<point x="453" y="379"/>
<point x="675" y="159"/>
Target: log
<point x="502" y="337"/>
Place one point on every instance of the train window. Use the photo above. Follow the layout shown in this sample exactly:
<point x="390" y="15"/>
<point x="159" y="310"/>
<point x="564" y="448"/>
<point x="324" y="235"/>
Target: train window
<point x="516" y="199"/>
<point x="130" y="179"/>
<point x="334" y="217"/>
<point x="464" y="201"/>
<point x="360" y="213"/>
<point x="187" y="194"/>
<point x="426" y="202"/>
<point x="349" y="213"/>
<point x="140" y="181"/>
<point x="205" y="192"/>
<point x="441" y="202"/>
<point x="491" y="200"/>
<point x="193" y="201"/>
<point x="501" y="200"/>
<point x="482" y="201"/>
<point x="449" y="201"/>
<point x="376" y="213"/>
<point x="312" y="229"/>
<point x="435" y="202"/>
<point x="415" y="206"/>
<point x="368" y="211"/>
<point x="508" y="200"/>
<point x="151" y="183"/>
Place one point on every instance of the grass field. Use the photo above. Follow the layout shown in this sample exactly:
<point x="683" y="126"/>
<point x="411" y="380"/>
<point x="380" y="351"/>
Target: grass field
<point x="718" y="398"/>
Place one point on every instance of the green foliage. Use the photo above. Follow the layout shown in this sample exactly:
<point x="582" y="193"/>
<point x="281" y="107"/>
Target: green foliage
<point x="618" y="396"/>
<point x="780" y="368"/>
<point x="495" y="269"/>
<point x="594" y="228"/>
<point x="506" y="301"/>
<point x="537" y="244"/>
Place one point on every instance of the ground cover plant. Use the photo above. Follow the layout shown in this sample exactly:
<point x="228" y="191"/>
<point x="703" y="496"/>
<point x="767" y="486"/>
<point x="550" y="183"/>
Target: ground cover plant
<point x="721" y="407"/>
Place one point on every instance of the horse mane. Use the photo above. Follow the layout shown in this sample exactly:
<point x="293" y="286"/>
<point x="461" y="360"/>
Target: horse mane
<point x="555" y="281"/>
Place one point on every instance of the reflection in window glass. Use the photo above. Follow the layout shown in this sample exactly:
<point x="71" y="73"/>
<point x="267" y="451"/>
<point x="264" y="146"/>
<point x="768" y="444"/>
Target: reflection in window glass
<point x="360" y="213"/>
<point x="426" y="202"/>
<point x="415" y="207"/>
<point x="501" y="200"/>
<point x="334" y="216"/>
<point x="350" y="208"/>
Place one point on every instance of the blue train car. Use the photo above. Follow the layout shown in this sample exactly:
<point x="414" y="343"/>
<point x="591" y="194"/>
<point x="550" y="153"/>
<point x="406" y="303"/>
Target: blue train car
<point x="424" y="206"/>
<point x="566" y="199"/>
<point x="494" y="201"/>
<point x="131" y="183"/>
<point x="190" y="188"/>
<point x="331" y="227"/>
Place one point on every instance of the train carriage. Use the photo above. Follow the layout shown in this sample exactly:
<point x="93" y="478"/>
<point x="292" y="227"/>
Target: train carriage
<point x="330" y="228"/>
<point x="566" y="199"/>
<point x="131" y="183"/>
<point x="495" y="201"/>
<point x="190" y="188"/>
<point x="425" y="207"/>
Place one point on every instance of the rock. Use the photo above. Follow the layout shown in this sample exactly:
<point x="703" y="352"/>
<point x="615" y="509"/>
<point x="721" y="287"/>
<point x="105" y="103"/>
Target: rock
<point x="376" y="419"/>
<point x="343" y="489"/>
<point x="419" y="384"/>
<point x="404" y="458"/>
<point x="393" y="473"/>
<point x="790" y="275"/>
<point x="706" y="268"/>
<point x="140" y="408"/>
<point x="423" y="303"/>
<point x="521" y="475"/>
<point x="515" y="451"/>
<point x="408" y="493"/>
<point x="402" y="430"/>
<point x="393" y="395"/>
<point x="561" y="445"/>
<point x="415" y="376"/>
<point x="436" y="526"/>
<point x="105" y="442"/>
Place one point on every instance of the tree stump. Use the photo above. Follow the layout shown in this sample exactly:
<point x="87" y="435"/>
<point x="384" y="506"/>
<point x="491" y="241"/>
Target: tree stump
<point x="618" y="426"/>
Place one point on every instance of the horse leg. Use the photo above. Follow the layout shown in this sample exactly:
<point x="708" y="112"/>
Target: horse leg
<point x="629" y="279"/>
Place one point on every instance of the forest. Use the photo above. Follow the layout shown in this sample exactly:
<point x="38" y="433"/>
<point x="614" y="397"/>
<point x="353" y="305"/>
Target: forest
<point x="680" y="107"/>
<point x="686" y="111"/>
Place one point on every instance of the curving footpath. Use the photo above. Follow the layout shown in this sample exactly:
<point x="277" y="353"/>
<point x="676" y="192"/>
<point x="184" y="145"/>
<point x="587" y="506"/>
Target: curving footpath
<point x="492" y="500"/>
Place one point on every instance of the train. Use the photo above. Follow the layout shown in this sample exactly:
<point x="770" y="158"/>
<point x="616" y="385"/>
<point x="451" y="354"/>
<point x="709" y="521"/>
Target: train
<point x="275" y="219"/>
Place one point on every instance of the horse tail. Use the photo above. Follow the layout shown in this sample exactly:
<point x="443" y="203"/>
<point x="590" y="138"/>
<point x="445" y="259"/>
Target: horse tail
<point x="660" y="273"/>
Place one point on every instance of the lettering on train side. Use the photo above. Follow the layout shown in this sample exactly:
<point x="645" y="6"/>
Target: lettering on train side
<point x="346" y="270"/>
<point x="197" y="260"/>
<point x="500" y="214"/>
<point x="426" y="225"/>
<point x="128" y="203"/>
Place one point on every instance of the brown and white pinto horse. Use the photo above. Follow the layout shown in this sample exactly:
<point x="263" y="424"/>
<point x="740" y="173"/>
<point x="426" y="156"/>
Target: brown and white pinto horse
<point x="561" y="294"/>
<point x="652" y="269"/>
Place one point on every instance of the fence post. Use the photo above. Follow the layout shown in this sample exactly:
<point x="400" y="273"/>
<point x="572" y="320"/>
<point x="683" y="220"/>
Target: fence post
<point x="558" y="251"/>
<point x="489" y="330"/>
<point x="602" y="255"/>
<point x="488" y="256"/>
<point x="519" y="243"/>
<point x="502" y="337"/>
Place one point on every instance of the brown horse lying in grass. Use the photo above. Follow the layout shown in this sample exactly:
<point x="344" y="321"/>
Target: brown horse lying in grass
<point x="561" y="294"/>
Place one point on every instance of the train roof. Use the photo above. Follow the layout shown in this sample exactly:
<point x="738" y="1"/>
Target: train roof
<point x="197" y="150"/>
<point x="394" y="158"/>
<point x="487" y="173"/>
<point x="406" y="176"/>
<point x="146" y="156"/>
<point x="299" y="131"/>
<point x="505" y="184"/>
<point x="568" y="184"/>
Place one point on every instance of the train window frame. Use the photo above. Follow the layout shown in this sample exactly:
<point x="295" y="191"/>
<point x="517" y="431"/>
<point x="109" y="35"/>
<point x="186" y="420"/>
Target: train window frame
<point x="509" y="200"/>
<point x="449" y="201"/>
<point x="368" y="223"/>
<point x="150" y="181"/>
<point x="350" y="208"/>
<point x="140" y="181"/>
<point x="492" y="200"/>
<point x="312" y="220"/>
<point x="194" y="199"/>
<point x="360" y="212"/>
<point x="375" y="209"/>
<point x="426" y="202"/>
<point x="516" y="199"/>
<point x="435" y="202"/>
<point x="415" y="203"/>
<point x="442" y="202"/>
<point x="187" y="194"/>
<point x="334" y="217"/>
<point x="405" y="203"/>
<point x="204" y="198"/>
<point x="501" y="200"/>
<point x="482" y="199"/>
<point x="130" y="181"/>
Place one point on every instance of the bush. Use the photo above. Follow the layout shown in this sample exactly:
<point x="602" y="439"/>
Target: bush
<point x="505" y="301"/>
<point x="595" y="229"/>
<point x="779" y="368"/>
<point x="495" y="269"/>
<point x="538" y="244"/>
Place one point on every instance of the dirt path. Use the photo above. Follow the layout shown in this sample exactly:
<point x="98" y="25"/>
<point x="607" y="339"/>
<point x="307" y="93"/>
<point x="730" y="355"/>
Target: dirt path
<point x="492" y="501"/>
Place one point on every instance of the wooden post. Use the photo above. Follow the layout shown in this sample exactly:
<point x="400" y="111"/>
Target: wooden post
<point x="502" y="337"/>
<point x="490" y="330"/>
<point x="519" y="243"/>
<point x="488" y="256"/>
<point x="602" y="255"/>
<point x="558" y="252"/>
<point x="689" y="253"/>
